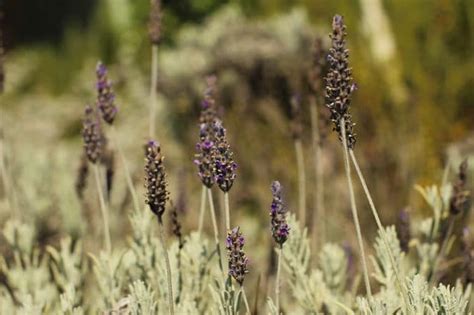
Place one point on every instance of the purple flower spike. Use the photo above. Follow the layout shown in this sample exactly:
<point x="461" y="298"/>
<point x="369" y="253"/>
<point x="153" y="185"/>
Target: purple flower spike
<point x="105" y="95"/>
<point x="204" y="157"/>
<point x="238" y="261"/>
<point x="92" y="135"/>
<point x="339" y="82"/>
<point x="280" y="229"/>
<point x="155" y="179"/>
<point x="224" y="165"/>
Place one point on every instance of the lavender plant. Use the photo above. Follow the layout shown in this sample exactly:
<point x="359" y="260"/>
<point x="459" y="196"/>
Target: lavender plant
<point x="224" y="168"/>
<point x="156" y="198"/>
<point x="238" y="261"/>
<point x="280" y="231"/>
<point x="93" y="147"/>
<point x="339" y="88"/>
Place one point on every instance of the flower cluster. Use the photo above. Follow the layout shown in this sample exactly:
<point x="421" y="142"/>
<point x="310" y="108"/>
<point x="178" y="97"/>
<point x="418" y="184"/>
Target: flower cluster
<point x="214" y="156"/>
<point x="204" y="157"/>
<point x="205" y="147"/>
<point x="339" y="85"/>
<point x="154" y="23"/>
<point x="155" y="179"/>
<point x="238" y="261"/>
<point x="461" y="196"/>
<point x="278" y="211"/>
<point x="92" y="135"/>
<point x="105" y="94"/>
<point x="224" y="165"/>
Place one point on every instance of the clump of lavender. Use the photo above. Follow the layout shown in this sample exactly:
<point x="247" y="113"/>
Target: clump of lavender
<point x="105" y="94"/>
<point x="224" y="165"/>
<point x="92" y="135"/>
<point x="155" y="179"/>
<point x="278" y="211"/>
<point x="154" y="22"/>
<point x="461" y="196"/>
<point x="238" y="261"/>
<point x="82" y="174"/>
<point x="339" y="85"/>
<point x="403" y="229"/>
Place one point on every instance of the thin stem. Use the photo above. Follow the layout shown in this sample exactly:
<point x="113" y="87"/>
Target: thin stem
<point x="216" y="229"/>
<point x="154" y="80"/>
<point x="103" y="209"/>
<point x="227" y="211"/>
<point x="246" y="302"/>
<point x="201" y="209"/>
<point x="168" y="268"/>
<point x="6" y="181"/>
<point x="301" y="181"/>
<point x="442" y="251"/>
<point x="354" y="209"/>
<point x="128" y="177"/>
<point x="379" y="226"/>
<point x="319" y="215"/>
<point x="277" y="281"/>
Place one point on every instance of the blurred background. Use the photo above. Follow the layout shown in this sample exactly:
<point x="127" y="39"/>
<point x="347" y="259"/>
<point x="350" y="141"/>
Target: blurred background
<point x="413" y="62"/>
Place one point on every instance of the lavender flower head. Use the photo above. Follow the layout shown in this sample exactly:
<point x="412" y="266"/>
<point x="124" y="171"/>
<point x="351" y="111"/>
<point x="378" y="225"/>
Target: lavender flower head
<point x="224" y="165"/>
<point x="339" y="85"/>
<point x="204" y="157"/>
<point x="238" y="261"/>
<point x="280" y="228"/>
<point x="461" y="196"/>
<point x="105" y="94"/>
<point x="155" y="179"/>
<point x="92" y="135"/>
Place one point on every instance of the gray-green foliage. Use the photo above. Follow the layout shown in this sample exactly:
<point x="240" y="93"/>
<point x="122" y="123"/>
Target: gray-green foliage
<point x="132" y="280"/>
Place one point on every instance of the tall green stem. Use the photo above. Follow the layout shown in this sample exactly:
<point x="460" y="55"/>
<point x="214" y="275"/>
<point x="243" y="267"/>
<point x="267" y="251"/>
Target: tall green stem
<point x="103" y="209"/>
<point x="277" y="281"/>
<point x="128" y="177"/>
<point x="216" y="229"/>
<point x="403" y="292"/>
<point x="202" y="209"/>
<point x="153" y="83"/>
<point x="301" y="181"/>
<point x="227" y="211"/>
<point x="246" y="302"/>
<point x="354" y="209"/>
<point x="168" y="268"/>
